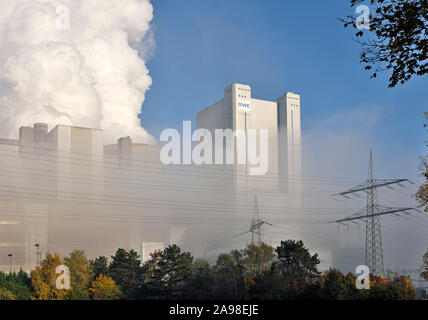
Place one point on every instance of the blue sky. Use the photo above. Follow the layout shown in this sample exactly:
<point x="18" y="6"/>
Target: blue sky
<point x="278" y="46"/>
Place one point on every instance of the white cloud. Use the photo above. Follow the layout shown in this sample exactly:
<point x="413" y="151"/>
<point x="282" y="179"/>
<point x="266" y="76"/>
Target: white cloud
<point x="339" y="144"/>
<point x="89" y="75"/>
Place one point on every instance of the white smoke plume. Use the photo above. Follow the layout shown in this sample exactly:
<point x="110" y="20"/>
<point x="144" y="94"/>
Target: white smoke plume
<point x="88" y="75"/>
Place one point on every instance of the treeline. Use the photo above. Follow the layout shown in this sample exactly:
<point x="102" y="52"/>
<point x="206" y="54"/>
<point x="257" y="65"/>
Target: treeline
<point x="256" y="272"/>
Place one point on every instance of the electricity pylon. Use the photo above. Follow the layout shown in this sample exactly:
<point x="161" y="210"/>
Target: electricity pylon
<point x="371" y="215"/>
<point x="256" y="225"/>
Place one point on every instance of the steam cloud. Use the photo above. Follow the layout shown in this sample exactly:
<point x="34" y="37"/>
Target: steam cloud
<point x="88" y="75"/>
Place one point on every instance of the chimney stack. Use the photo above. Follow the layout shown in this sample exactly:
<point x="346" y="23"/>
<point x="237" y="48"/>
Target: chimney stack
<point x="40" y="132"/>
<point x="125" y="147"/>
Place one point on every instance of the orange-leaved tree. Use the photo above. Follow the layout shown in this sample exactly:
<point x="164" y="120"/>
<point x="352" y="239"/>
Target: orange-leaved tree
<point x="43" y="279"/>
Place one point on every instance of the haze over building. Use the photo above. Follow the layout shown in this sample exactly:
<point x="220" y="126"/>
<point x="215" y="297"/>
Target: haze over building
<point x="239" y="110"/>
<point x="64" y="189"/>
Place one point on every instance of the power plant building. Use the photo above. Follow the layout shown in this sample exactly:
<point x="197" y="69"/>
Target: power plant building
<point x="63" y="190"/>
<point x="239" y="110"/>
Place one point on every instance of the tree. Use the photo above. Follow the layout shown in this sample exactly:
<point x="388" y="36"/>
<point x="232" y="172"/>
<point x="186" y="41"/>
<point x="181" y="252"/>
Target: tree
<point x="125" y="270"/>
<point x="258" y="258"/>
<point x="352" y="293"/>
<point x="77" y="294"/>
<point x="230" y="273"/>
<point x="80" y="270"/>
<point x="149" y="287"/>
<point x="99" y="266"/>
<point x="401" y="288"/>
<point x="43" y="279"/>
<point x="333" y="285"/>
<point x="422" y="193"/>
<point x="396" y="38"/>
<point x="6" y="294"/>
<point x="104" y="288"/>
<point x="150" y="265"/>
<point x="170" y="270"/>
<point x="378" y="288"/>
<point x="424" y="273"/>
<point x="295" y="266"/>
<point x="201" y="282"/>
<point x="18" y="284"/>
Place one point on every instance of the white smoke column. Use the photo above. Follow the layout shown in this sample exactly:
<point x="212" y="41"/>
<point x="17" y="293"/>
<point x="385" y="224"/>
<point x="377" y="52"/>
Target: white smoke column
<point x="88" y="75"/>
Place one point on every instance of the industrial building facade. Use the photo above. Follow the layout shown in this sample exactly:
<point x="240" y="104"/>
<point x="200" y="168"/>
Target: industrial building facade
<point x="62" y="190"/>
<point x="239" y="110"/>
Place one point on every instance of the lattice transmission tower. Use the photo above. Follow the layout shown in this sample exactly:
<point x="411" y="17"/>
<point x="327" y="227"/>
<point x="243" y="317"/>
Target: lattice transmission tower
<point x="371" y="214"/>
<point x="256" y="225"/>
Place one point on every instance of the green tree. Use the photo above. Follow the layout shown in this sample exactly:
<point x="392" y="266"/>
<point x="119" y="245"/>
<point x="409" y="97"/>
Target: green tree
<point x="396" y="39"/>
<point x="352" y="293"/>
<point x="99" y="266"/>
<point x="149" y="288"/>
<point x="296" y="267"/>
<point x="80" y="270"/>
<point x="19" y="284"/>
<point x="6" y="294"/>
<point x="230" y="275"/>
<point x="333" y="285"/>
<point x="267" y="286"/>
<point x="169" y="273"/>
<point x="126" y="271"/>
<point x="77" y="294"/>
<point x="201" y="282"/>
<point x="150" y="265"/>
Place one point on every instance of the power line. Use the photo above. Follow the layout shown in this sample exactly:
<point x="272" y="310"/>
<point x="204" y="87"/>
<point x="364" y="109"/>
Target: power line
<point x="136" y="201"/>
<point x="256" y="225"/>
<point x="124" y="162"/>
<point x="47" y="175"/>
<point x="371" y="215"/>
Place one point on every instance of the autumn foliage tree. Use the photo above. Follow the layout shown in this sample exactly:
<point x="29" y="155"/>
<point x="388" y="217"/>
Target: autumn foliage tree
<point x="254" y="272"/>
<point x="399" y="287"/>
<point x="104" y="288"/>
<point x="43" y="279"/>
<point x="333" y="285"/>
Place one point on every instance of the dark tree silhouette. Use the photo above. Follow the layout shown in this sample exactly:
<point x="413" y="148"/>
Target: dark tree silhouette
<point x="396" y="38"/>
<point x="125" y="270"/>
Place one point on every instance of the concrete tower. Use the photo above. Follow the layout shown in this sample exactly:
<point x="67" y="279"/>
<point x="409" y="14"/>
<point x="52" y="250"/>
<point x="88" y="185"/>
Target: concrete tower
<point x="289" y="139"/>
